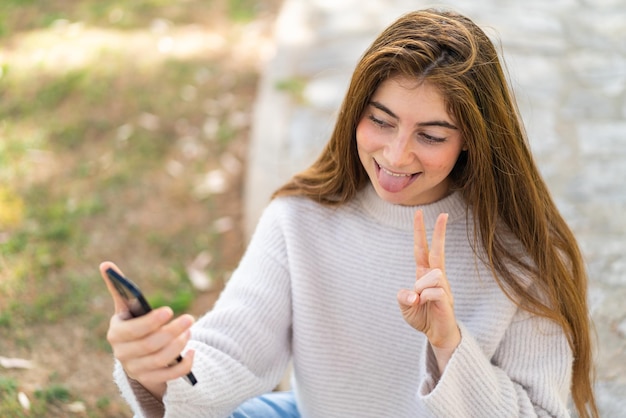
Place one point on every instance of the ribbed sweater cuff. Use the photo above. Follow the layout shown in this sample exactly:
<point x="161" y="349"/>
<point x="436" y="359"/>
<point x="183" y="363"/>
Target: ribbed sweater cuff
<point x="447" y="396"/>
<point x="143" y="399"/>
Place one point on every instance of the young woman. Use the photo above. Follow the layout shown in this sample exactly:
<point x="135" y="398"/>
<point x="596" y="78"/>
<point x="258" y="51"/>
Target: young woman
<point x="488" y="318"/>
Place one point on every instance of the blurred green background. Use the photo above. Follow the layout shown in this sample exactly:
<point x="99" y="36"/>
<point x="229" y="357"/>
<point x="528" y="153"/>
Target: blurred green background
<point x="123" y="133"/>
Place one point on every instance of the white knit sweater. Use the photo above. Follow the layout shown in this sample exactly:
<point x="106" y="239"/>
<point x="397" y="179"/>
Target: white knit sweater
<point x="318" y="286"/>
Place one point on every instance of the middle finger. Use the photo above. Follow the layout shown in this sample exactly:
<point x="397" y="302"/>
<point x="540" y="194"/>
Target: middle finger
<point x="436" y="256"/>
<point x="163" y="358"/>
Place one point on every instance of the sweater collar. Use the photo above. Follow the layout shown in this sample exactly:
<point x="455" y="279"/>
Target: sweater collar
<point x="401" y="217"/>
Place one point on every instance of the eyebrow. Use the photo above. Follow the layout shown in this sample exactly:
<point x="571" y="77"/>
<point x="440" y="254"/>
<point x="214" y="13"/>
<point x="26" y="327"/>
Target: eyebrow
<point x="441" y="123"/>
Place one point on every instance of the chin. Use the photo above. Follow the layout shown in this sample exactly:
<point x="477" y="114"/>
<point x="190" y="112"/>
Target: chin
<point x="398" y="198"/>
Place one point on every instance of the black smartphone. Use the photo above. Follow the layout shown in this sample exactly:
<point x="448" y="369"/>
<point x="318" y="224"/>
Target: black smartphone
<point x="137" y="304"/>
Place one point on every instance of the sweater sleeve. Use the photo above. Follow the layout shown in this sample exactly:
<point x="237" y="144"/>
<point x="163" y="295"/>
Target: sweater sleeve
<point x="140" y="400"/>
<point x="528" y="376"/>
<point x="243" y="345"/>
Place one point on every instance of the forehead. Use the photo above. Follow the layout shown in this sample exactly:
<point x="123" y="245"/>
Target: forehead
<point x="411" y="96"/>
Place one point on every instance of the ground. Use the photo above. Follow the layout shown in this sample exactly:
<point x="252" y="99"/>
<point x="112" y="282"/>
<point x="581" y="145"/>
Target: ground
<point x="124" y="129"/>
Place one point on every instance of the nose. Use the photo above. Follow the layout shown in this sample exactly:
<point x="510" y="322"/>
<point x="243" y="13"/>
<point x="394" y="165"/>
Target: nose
<point x="399" y="152"/>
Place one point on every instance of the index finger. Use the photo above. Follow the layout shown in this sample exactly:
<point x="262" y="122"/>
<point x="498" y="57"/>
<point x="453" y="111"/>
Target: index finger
<point x="124" y="330"/>
<point x="420" y="243"/>
<point x="436" y="257"/>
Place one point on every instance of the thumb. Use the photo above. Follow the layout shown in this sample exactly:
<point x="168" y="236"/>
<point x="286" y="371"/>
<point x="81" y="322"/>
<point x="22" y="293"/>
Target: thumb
<point x="120" y="305"/>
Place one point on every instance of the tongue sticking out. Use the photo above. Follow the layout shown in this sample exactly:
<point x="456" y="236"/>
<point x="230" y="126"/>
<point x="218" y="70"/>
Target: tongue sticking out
<point x="393" y="183"/>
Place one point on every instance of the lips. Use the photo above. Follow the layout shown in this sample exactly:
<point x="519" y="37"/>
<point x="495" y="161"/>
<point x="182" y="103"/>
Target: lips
<point x="392" y="181"/>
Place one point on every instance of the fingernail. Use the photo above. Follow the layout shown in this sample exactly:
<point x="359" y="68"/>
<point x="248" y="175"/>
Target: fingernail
<point x="411" y="298"/>
<point x="187" y="320"/>
<point x="165" y="313"/>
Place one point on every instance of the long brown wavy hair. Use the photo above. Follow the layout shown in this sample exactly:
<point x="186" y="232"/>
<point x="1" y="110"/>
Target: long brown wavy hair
<point x="496" y="174"/>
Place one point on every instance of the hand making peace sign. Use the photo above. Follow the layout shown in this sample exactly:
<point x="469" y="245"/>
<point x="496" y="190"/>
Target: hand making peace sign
<point x="429" y="307"/>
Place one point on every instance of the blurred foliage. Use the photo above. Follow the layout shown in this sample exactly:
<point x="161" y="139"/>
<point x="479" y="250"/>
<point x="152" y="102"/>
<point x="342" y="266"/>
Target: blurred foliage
<point x="102" y="149"/>
<point x="47" y="401"/>
<point x="293" y="86"/>
<point x="11" y="208"/>
<point x="27" y="15"/>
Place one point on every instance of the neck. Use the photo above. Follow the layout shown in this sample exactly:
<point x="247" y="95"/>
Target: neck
<point x="401" y="217"/>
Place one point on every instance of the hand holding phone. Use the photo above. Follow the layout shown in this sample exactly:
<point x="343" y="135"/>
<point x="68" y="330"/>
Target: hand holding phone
<point x="137" y="304"/>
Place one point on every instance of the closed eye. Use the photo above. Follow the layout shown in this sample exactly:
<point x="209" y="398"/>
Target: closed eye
<point x="431" y="139"/>
<point x="378" y="122"/>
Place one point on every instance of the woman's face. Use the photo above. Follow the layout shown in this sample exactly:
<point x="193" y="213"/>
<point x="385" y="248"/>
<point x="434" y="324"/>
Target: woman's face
<point x="408" y="143"/>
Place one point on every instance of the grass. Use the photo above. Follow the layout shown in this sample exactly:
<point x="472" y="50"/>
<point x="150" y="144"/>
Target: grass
<point x="48" y="399"/>
<point x="107" y="132"/>
<point x="294" y="86"/>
